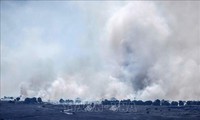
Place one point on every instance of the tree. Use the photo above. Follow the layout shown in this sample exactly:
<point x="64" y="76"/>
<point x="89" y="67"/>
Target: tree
<point x="165" y="103"/>
<point x="198" y="102"/>
<point x="30" y="100"/>
<point x="105" y="102"/>
<point x="68" y="101"/>
<point x="189" y="103"/>
<point x="174" y="103"/>
<point x="149" y="102"/>
<point x="33" y="100"/>
<point x="61" y="100"/>
<point x="39" y="100"/>
<point x="18" y="98"/>
<point x="181" y="103"/>
<point x="139" y="102"/>
<point x="192" y="103"/>
<point x="27" y="100"/>
<point x="156" y="102"/>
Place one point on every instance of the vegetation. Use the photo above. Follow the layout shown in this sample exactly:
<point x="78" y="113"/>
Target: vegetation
<point x="113" y="101"/>
<point x="157" y="102"/>
<point x="33" y="100"/>
<point x="18" y="98"/>
<point x="39" y="100"/>
<point x="61" y="100"/>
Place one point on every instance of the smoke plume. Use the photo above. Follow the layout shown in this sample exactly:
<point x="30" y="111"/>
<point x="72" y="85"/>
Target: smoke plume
<point x="143" y="50"/>
<point x="157" y="49"/>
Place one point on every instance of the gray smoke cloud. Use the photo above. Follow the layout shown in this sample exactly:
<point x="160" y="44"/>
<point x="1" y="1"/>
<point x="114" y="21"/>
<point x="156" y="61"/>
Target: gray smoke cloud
<point x="157" y="47"/>
<point x="146" y="50"/>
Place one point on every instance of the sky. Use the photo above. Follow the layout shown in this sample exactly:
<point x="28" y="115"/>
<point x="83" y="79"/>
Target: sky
<point x="96" y="50"/>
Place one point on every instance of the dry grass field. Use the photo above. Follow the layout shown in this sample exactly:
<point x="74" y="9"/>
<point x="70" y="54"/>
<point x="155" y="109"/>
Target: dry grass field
<point x="45" y="111"/>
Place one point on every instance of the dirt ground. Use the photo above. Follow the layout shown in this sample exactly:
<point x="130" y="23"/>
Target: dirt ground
<point x="20" y="111"/>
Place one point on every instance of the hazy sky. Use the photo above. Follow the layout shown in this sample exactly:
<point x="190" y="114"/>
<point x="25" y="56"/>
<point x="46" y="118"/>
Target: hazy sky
<point x="95" y="50"/>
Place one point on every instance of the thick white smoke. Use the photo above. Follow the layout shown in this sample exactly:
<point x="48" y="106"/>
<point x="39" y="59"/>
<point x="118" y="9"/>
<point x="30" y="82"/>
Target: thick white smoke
<point x="158" y="50"/>
<point x="146" y="50"/>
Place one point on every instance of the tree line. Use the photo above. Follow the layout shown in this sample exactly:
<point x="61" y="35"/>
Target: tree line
<point x="157" y="102"/>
